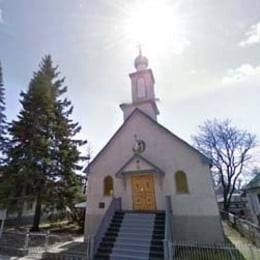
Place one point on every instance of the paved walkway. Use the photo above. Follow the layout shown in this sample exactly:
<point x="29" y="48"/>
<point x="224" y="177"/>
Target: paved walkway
<point x="247" y="249"/>
<point x="36" y="256"/>
<point x="2" y="257"/>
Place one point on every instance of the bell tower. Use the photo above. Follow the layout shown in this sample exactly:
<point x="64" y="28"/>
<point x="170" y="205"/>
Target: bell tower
<point x="142" y="83"/>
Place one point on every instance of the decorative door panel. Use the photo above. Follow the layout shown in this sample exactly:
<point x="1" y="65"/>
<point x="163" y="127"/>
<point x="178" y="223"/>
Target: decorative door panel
<point x="143" y="192"/>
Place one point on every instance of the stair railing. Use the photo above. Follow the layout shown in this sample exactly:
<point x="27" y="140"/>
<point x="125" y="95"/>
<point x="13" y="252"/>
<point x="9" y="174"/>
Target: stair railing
<point x="168" y="238"/>
<point x="104" y="224"/>
<point x="89" y="244"/>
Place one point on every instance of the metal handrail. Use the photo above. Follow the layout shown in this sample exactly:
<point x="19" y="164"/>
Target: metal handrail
<point x="114" y="206"/>
<point x="168" y="233"/>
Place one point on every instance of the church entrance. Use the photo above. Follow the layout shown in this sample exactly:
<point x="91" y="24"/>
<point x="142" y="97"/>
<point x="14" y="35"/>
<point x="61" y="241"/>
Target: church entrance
<point x="143" y="192"/>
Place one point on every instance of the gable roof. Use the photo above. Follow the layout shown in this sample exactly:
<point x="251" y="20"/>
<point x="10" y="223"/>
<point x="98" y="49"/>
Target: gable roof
<point x="204" y="159"/>
<point x="254" y="183"/>
<point x="122" y="171"/>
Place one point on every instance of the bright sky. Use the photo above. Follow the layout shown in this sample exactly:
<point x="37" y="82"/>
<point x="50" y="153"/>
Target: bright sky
<point x="208" y="68"/>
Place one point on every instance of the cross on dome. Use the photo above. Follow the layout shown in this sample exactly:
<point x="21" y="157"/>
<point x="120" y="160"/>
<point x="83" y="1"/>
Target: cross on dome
<point x="141" y="62"/>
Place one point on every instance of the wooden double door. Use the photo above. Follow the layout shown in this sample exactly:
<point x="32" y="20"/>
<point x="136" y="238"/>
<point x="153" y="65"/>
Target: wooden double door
<point x="143" y="192"/>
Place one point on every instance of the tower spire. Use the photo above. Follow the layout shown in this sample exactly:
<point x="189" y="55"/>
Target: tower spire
<point x="139" y="46"/>
<point x="141" y="62"/>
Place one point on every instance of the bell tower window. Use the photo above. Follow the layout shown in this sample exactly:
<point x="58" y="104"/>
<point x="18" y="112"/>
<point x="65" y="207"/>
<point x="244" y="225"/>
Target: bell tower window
<point x="141" y="91"/>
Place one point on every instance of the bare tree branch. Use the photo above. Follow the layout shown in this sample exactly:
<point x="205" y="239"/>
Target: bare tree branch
<point x="230" y="150"/>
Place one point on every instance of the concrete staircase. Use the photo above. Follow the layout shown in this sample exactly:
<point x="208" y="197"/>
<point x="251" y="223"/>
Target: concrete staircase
<point x="133" y="235"/>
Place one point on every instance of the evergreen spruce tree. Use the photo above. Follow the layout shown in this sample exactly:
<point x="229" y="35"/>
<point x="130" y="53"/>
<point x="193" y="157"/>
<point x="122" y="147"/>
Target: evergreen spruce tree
<point x="3" y="123"/>
<point x="3" y="137"/>
<point x="44" y="154"/>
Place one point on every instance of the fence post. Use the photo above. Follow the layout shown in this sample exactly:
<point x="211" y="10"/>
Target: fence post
<point x="88" y="241"/>
<point x="47" y="240"/>
<point x="1" y="226"/>
<point x="92" y="248"/>
<point x="166" y="248"/>
<point x="170" y="250"/>
<point x="27" y="237"/>
<point x="252" y="252"/>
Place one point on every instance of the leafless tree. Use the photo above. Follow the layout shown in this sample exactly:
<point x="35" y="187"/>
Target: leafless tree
<point x="230" y="150"/>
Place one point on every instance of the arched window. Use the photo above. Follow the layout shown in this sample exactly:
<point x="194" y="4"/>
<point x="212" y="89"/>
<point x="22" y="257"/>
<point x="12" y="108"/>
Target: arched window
<point x="181" y="182"/>
<point x="141" y="88"/>
<point x="108" y="186"/>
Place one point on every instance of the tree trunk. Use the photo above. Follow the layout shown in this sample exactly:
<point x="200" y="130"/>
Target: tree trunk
<point x="37" y="215"/>
<point x="227" y="199"/>
<point x="19" y="216"/>
<point x="226" y="207"/>
<point x="20" y="205"/>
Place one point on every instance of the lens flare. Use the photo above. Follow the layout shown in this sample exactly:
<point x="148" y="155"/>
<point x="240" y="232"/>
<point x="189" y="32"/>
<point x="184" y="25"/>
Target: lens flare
<point x="156" y="26"/>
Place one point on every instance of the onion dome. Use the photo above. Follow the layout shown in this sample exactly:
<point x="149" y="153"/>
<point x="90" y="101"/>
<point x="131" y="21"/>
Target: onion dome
<point x="141" y="62"/>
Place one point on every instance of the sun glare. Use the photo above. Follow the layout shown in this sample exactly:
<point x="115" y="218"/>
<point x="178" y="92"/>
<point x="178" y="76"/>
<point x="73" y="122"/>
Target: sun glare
<point x="156" y="26"/>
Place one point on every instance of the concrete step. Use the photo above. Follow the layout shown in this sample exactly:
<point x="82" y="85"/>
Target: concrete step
<point x="132" y="246"/>
<point x="135" y="231"/>
<point x="136" y="218"/>
<point x="137" y="222"/>
<point x="139" y="216"/>
<point x="134" y="235"/>
<point x="141" y="230"/>
<point x="126" y="242"/>
<point x="134" y="225"/>
<point x="130" y="252"/>
<point x="126" y="257"/>
<point x="132" y="216"/>
<point x="132" y="240"/>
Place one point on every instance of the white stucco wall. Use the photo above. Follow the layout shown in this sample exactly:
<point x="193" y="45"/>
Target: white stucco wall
<point x="146" y="107"/>
<point x="166" y="152"/>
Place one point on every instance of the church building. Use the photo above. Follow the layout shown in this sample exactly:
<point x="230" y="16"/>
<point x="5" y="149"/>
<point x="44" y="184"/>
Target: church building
<point x="144" y="175"/>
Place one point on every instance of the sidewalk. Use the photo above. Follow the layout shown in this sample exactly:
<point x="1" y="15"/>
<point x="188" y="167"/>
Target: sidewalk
<point x="247" y="249"/>
<point x="56" y="249"/>
<point x="75" y="249"/>
<point x="67" y="245"/>
<point x="2" y="257"/>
